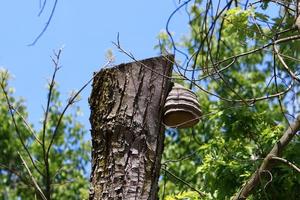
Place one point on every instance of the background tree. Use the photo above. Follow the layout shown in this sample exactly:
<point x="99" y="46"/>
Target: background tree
<point x="242" y="59"/>
<point x="10" y="171"/>
<point x="47" y="163"/>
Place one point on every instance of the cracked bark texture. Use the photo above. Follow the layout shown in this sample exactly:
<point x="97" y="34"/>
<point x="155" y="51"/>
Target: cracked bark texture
<point x="127" y="136"/>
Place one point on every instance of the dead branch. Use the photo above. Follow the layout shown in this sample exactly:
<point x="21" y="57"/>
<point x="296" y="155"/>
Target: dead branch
<point x="37" y="187"/>
<point x="288" y="163"/>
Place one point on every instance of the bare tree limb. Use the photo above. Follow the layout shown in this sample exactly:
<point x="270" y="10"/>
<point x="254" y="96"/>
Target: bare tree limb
<point x="37" y="187"/>
<point x="287" y="163"/>
<point x="33" y="133"/>
<point x="55" y="61"/>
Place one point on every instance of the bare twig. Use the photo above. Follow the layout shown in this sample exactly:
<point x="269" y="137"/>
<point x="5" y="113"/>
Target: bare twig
<point x="47" y="23"/>
<point x="279" y="41"/>
<point x="37" y="187"/>
<point x="51" y="87"/>
<point x="287" y="163"/>
<point x="70" y="102"/>
<point x="184" y="182"/>
<point x="11" y="111"/>
<point x="285" y="65"/>
<point x="42" y="6"/>
<point x="55" y="61"/>
<point x="15" y="172"/>
<point x="194" y="82"/>
<point x="270" y="180"/>
<point x="33" y="133"/>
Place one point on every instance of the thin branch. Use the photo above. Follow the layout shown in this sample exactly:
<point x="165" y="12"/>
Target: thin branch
<point x="279" y="41"/>
<point x="33" y="133"/>
<point x="217" y="71"/>
<point x="70" y="102"/>
<point x="267" y="163"/>
<point x="15" y="172"/>
<point x="47" y="111"/>
<point x="10" y="107"/>
<point x="289" y="57"/>
<point x="250" y="100"/>
<point x="47" y="23"/>
<point x="51" y="87"/>
<point x="167" y="25"/>
<point x="292" y="74"/>
<point x="270" y="180"/>
<point x="180" y="159"/>
<point x="287" y="163"/>
<point x="185" y="183"/>
<point x="276" y="84"/>
<point x="42" y="7"/>
<point x="130" y="55"/>
<point x="37" y="187"/>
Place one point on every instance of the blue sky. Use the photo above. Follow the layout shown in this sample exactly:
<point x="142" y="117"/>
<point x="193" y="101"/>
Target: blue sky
<point x="85" y="29"/>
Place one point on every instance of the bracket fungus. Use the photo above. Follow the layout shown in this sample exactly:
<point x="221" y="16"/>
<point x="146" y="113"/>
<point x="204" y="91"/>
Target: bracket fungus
<point x="182" y="109"/>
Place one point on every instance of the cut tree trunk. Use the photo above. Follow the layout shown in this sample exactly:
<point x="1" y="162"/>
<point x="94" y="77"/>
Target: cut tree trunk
<point x="127" y="134"/>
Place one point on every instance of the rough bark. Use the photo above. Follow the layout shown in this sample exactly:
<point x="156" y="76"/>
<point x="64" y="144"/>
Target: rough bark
<point x="268" y="162"/>
<point x="127" y="136"/>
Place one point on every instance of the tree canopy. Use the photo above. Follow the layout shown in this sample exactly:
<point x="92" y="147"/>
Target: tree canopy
<point x="242" y="60"/>
<point x="23" y="162"/>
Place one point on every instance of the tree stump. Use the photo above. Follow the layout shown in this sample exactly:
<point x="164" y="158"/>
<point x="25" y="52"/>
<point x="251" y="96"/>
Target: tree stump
<point x="127" y="134"/>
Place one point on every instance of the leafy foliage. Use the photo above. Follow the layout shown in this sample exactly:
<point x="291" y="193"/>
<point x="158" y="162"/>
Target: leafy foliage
<point x="184" y="196"/>
<point x="234" y="70"/>
<point x="68" y="156"/>
<point x="236" y="22"/>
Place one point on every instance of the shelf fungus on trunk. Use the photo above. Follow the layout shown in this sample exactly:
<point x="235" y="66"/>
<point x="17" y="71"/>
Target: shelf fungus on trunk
<point x="181" y="110"/>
